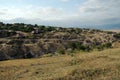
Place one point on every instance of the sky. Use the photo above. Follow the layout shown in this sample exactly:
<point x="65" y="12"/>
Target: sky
<point x="66" y="13"/>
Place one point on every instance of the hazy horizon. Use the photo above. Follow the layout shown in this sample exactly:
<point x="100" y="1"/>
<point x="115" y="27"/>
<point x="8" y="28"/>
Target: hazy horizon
<point x="67" y="13"/>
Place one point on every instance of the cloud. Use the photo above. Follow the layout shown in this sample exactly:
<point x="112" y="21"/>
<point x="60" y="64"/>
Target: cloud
<point x="48" y="13"/>
<point x="100" y="6"/>
<point x="31" y="12"/>
<point x="101" y="10"/>
<point x="92" y="9"/>
<point x="3" y="12"/>
<point x="88" y="12"/>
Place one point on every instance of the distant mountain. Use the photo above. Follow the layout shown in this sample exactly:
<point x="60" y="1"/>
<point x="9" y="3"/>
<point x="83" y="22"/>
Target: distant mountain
<point x="103" y="27"/>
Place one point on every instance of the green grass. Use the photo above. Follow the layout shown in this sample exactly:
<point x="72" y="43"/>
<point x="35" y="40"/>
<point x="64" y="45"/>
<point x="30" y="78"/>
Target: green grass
<point x="103" y="65"/>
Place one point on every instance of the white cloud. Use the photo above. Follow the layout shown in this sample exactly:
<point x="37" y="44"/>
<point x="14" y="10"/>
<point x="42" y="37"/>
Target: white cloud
<point x="101" y="10"/>
<point x="31" y="12"/>
<point x="48" y="13"/>
<point x="89" y="12"/>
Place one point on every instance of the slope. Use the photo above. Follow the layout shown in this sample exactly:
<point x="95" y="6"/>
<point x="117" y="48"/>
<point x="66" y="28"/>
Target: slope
<point x="102" y="65"/>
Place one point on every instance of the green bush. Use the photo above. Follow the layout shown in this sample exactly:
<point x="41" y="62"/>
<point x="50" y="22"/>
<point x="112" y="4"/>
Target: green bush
<point x="117" y="35"/>
<point x="79" y="46"/>
<point x="104" y="46"/>
<point x="107" y="45"/>
<point x="60" y="51"/>
<point x="6" y="33"/>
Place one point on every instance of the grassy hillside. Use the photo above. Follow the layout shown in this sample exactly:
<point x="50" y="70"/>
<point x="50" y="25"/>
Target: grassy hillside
<point x="96" y="65"/>
<point x="61" y="53"/>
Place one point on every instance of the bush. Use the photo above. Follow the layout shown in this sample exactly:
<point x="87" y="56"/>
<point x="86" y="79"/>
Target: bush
<point x="79" y="46"/>
<point x="107" y="45"/>
<point x="117" y="35"/>
<point x="4" y="33"/>
<point x="50" y="28"/>
<point x="103" y="46"/>
<point x="60" y="51"/>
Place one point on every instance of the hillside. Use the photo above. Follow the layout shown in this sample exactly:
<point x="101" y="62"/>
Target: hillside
<point x="38" y="52"/>
<point x="96" y="65"/>
<point x="21" y="40"/>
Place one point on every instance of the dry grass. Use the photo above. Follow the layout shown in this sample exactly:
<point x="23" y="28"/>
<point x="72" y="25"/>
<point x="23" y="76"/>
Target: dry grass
<point x="104" y="65"/>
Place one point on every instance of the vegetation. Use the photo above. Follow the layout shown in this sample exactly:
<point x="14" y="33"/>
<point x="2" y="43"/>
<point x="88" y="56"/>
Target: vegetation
<point x="60" y="53"/>
<point x="117" y="35"/>
<point x="107" y="45"/>
<point x="7" y="33"/>
<point x="104" y="65"/>
<point x="79" y="46"/>
<point x="24" y="27"/>
<point x="17" y="27"/>
<point x="21" y="40"/>
<point x="104" y="46"/>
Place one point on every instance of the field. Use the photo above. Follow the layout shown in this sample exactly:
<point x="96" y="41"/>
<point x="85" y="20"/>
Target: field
<point x="96" y="65"/>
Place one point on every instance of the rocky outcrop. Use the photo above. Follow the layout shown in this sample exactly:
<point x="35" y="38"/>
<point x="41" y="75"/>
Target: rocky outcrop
<point x="29" y="45"/>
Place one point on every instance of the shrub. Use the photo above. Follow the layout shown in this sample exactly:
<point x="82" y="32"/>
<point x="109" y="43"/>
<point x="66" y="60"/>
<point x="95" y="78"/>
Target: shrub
<point x="60" y="51"/>
<point x="79" y="46"/>
<point x="4" y="33"/>
<point x="50" y="28"/>
<point x="103" y="46"/>
<point x="117" y="35"/>
<point x="107" y="45"/>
